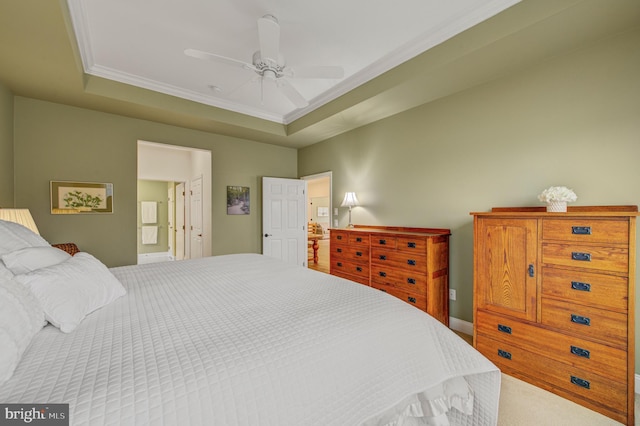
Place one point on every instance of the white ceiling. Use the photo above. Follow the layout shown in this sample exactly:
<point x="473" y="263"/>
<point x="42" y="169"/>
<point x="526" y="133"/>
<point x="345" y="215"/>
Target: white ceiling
<point x="142" y="43"/>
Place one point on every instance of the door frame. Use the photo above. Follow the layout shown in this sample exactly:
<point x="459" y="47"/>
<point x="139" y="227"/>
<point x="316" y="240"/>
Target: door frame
<point x="328" y="174"/>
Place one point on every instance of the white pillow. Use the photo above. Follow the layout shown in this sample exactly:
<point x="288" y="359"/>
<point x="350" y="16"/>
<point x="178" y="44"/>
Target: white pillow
<point x="21" y="317"/>
<point x="31" y="258"/>
<point x="72" y="289"/>
<point x="14" y="236"/>
<point x="5" y="274"/>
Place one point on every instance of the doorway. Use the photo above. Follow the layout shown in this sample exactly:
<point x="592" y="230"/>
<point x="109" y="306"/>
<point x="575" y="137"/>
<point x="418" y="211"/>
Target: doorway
<point x="319" y="218"/>
<point x="182" y="200"/>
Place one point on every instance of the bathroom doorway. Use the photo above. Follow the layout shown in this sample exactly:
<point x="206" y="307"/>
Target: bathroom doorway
<point x="167" y="178"/>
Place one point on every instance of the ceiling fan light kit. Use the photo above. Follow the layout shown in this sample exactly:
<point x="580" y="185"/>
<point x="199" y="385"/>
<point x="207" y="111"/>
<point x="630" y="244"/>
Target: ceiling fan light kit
<point x="270" y="64"/>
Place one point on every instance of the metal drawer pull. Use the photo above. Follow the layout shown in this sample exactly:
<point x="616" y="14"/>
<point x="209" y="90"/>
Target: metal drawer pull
<point x="580" y="382"/>
<point x="584" y="257"/>
<point x="339" y="250"/>
<point x="411" y="245"/>
<point x="359" y="268"/>
<point x="581" y="230"/>
<point x="411" y="262"/>
<point x="411" y="280"/>
<point x="532" y="271"/>
<point x="504" y="328"/>
<point x="382" y="274"/>
<point x="580" y="320"/>
<point x="339" y="264"/>
<point x="358" y="253"/>
<point x="504" y="354"/>
<point x="383" y="242"/>
<point x="382" y="257"/>
<point x="338" y="237"/>
<point x="577" y="285"/>
<point x="411" y="299"/>
<point x="580" y="352"/>
<point x="358" y="240"/>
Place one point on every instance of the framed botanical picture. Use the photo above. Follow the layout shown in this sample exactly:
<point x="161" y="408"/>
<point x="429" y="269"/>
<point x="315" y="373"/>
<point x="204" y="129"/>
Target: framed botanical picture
<point x="81" y="197"/>
<point x="323" y="211"/>
<point x="238" y="200"/>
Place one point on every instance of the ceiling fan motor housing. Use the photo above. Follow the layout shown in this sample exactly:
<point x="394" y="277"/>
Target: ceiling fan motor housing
<point x="268" y="65"/>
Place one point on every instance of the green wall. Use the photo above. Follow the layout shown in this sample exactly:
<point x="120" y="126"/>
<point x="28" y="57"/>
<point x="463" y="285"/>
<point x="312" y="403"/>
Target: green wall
<point x="573" y="120"/>
<point x="58" y="142"/>
<point x="6" y="147"/>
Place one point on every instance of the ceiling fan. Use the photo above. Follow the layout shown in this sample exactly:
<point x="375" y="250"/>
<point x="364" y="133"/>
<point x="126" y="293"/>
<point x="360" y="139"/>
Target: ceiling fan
<point x="269" y="63"/>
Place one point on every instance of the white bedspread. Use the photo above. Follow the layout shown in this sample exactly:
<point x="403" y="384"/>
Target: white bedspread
<point x="249" y="340"/>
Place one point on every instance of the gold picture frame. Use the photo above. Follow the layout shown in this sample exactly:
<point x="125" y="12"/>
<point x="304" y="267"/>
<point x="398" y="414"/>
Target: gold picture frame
<point x="69" y="197"/>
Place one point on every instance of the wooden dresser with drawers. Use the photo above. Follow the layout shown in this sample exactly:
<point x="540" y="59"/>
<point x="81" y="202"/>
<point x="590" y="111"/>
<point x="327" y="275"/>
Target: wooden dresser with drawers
<point x="411" y="264"/>
<point x="554" y="297"/>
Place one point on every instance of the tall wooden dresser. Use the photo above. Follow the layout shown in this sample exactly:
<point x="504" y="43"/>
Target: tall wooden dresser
<point x="554" y="297"/>
<point x="409" y="263"/>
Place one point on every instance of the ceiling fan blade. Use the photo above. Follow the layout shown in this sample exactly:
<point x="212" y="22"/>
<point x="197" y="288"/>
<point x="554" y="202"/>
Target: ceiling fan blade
<point x="292" y="94"/>
<point x="218" y="58"/>
<point x="269" y="34"/>
<point x="317" y="72"/>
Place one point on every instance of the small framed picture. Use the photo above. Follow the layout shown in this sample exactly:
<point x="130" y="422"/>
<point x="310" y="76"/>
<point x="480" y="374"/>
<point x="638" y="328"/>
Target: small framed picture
<point x="323" y="211"/>
<point x="81" y="197"/>
<point x="238" y="200"/>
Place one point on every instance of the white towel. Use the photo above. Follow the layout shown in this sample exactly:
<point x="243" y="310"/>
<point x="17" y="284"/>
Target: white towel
<point x="149" y="235"/>
<point x="149" y="211"/>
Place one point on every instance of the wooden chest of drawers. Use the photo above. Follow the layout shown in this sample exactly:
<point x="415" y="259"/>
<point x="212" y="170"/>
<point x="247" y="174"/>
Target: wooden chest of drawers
<point x="409" y="263"/>
<point x="553" y="301"/>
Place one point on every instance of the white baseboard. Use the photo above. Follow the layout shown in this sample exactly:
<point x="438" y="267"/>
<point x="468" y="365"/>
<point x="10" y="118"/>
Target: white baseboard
<point x="462" y="326"/>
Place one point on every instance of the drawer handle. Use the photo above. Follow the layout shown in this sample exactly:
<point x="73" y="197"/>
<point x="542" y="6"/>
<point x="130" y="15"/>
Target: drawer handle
<point x="382" y="274"/>
<point x="580" y="382"/>
<point x="383" y="242"/>
<point x="382" y="257"/>
<point x="583" y="257"/>
<point x="339" y="237"/>
<point x="504" y="328"/>
<point x="411" y="280"/>
<point x="411" y="262"/>
<point x="358" y="253"/>
<point x="339" y="250"/>
<point x="581" y="230"/>
<point x="580" y="320"/>
<point x="577" y="285"/>
<point x="580" y="352"/>
<point x="411" y="245"/>
<point x="358" y="240"/>
<point x="504" y="354"/>
<point x="359" y="268"/>
<point x="532" y="271"/>
<point x="411" y="299"/>
<point x="339" y="264"/>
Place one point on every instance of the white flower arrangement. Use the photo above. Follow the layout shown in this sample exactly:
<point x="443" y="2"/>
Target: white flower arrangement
<point x="557" y="193"/>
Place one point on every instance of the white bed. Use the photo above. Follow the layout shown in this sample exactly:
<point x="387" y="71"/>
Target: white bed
<point x="249" y="340"/>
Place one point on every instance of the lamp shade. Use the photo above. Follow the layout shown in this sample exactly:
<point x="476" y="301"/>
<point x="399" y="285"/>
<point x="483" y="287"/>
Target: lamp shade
<point x="21" y="216"/>
<point x="350" y="200"/>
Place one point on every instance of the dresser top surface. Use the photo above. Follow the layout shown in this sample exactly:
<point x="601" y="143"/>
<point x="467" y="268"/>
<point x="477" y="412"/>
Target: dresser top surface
<point x="572" y="211"/>
<point x="396" y="230"/>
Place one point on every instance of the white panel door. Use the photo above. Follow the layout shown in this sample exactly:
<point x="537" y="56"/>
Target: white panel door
<point x="284" y="223"/>
<point x="180" y="221"/>
<point x="195" y="236"/>
<point x="170" y="214"/>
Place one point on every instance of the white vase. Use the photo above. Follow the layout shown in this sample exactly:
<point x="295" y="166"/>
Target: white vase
<point x="557" y="206"/>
